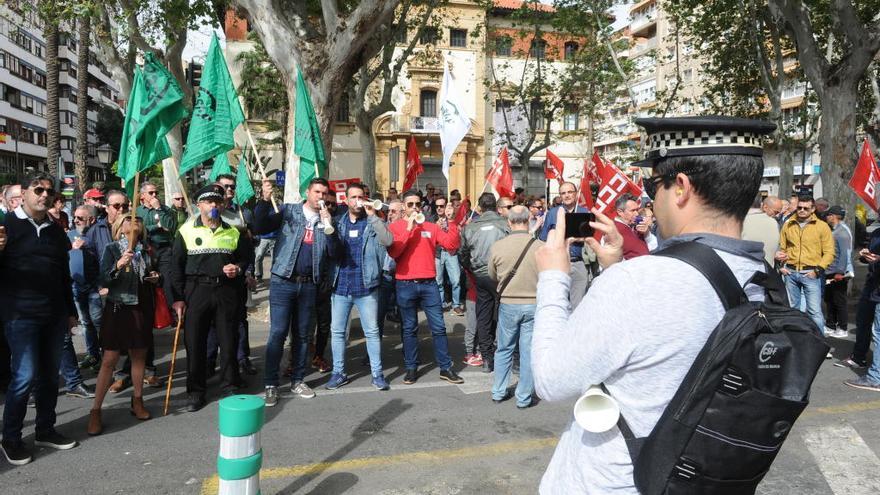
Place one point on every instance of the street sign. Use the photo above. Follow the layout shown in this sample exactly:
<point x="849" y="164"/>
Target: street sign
<point x="279" y="178"/>
<point x="68" y="185"/>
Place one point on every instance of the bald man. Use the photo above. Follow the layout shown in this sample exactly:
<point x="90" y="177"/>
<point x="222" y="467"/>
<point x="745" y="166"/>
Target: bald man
<point x="760" y="225"/>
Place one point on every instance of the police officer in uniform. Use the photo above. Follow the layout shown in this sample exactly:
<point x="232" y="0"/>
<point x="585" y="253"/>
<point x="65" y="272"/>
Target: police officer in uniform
<point x="209" y="259"/>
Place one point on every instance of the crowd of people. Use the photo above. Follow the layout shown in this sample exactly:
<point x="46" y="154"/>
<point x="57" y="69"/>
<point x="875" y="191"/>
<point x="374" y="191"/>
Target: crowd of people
<point x="109" y="273"/>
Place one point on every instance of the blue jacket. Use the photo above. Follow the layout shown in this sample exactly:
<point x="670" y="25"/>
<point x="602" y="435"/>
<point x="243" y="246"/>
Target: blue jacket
<point x="292" y="222"/>
<point x="83" y="265"/>
<point x="97" y="238"/>
<point x="377" y="238"/>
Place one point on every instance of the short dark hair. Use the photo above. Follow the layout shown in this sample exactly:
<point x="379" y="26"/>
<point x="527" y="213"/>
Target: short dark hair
<point x="455" y="194"/>
<point x="620" y="203"/>
<point x="320" y="181"/>
<point x="803" y="198"/>
<point x="438" y="198"/>
<point x="725" y="183"/>
<point x="487" y="202"/>
<point x="356" y="185"/>
<point x="35" y="178"/>
<point x="227" y="177"/>
<point x="411" y="192"/>
<point x="518" y="190"/>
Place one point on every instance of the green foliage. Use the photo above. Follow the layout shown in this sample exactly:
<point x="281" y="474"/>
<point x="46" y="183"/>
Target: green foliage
<point x="264" y="95"/>
<point x="108" y="128"/>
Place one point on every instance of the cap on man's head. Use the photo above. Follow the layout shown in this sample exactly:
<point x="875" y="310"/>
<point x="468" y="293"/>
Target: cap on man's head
<point x="93" y="194"/>
<point x="699" y="136"/>
<point x="211" y="191"/>
<point x="836" y="210"/>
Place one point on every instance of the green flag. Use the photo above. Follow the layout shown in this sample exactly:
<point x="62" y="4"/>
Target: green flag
<point x="244" y="190"/>
<point x="221" y="167"/>
<point x="155" y="106"/>
<point x="216" y="114"/>
<point x="307" y="137"/>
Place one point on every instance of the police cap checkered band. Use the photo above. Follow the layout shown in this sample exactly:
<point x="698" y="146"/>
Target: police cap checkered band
<point x="696" y="136"/>
<point x="211" y="191"/>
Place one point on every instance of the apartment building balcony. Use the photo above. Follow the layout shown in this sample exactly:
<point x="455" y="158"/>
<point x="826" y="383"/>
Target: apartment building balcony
<point x="414" y="124"/>
<point x="643" y="24"/>
<point x="642" y="47"/>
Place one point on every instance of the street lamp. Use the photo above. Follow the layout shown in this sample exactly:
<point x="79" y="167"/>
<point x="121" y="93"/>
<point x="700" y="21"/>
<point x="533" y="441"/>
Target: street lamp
<point x="105" y="154"/>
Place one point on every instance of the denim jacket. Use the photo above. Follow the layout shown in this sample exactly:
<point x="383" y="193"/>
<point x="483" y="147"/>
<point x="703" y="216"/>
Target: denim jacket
<point x="377" y="238"/>
<point x="291" y="220"/>
<point x="122" y="285"/>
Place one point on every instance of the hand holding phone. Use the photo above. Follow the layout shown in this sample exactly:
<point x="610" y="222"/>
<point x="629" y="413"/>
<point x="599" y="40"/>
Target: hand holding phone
<point x="577" y="225"/>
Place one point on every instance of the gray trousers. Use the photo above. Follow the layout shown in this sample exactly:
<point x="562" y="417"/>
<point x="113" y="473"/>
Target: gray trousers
<point x="579" y="282"/>
<point x="470" y="328"/>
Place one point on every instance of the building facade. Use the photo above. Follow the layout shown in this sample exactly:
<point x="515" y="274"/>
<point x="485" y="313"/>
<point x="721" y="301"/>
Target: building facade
<point x="23" y="96"/>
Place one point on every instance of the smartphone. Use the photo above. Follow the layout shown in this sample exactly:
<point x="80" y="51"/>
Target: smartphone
<point x="578" y="224"/>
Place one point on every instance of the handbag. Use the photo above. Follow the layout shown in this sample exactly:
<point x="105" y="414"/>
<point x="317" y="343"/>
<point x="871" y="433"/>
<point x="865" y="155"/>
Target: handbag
<point x="161" y="314"/>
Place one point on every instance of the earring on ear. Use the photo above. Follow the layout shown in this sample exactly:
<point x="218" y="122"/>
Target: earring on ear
<point x="678" y="192"/>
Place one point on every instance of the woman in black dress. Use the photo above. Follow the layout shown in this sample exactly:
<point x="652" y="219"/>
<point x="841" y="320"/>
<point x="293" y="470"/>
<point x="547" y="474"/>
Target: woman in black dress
<point x="128" y="274"/>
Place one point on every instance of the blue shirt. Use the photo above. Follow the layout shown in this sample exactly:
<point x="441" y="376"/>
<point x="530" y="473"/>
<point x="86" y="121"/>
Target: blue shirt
<point x="351" y="278"/>
<point x="574" y="251"/>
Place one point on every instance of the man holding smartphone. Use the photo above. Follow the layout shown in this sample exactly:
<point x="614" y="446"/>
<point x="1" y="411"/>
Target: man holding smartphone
<point x="578" y="271"/>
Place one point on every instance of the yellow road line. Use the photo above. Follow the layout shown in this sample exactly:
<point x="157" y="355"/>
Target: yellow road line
<point x="210" y="485"/>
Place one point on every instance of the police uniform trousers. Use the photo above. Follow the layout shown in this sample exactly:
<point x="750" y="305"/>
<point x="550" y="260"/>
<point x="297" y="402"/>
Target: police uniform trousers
<point x="211" y="301"/>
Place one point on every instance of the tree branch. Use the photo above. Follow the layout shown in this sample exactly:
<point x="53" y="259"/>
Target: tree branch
<point x="795" y="17"/>
<point x="331" y="17"/>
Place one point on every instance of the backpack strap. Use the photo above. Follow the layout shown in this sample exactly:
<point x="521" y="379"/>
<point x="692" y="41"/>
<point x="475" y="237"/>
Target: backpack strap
<point x="772" y="284"/>
<point x="512" y="272"/>
<point x="716" y="271"/>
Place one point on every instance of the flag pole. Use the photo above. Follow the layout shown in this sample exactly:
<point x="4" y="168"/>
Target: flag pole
<point x="182" y="185"/>
<point x="131" y="231"/>
<point x="481" y="193"/>
<point x="259" y="161"/>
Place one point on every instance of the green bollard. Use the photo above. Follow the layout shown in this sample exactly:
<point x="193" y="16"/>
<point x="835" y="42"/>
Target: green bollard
<point x="241" y="456"/>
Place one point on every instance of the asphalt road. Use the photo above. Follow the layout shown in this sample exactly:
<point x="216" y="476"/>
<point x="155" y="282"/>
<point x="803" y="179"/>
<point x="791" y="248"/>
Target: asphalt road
<point x="428" y="438"/>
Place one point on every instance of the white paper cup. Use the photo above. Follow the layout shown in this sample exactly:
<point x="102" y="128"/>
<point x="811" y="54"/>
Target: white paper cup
<point x="596" y="411"/>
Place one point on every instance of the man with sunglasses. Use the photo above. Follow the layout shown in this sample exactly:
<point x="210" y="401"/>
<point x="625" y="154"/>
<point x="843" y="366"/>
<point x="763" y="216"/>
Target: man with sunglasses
<point x="579" y="276"/>
<point x="180" y="208"/>
<point x="806" y="248"/>
<point x="706" y="172"/>
<point x="447" y="262"/>
<point x="413" y="251"/>
<point x="536" y="216"/>
<point x="84" y="269"/>
<point x="37" y="309"/>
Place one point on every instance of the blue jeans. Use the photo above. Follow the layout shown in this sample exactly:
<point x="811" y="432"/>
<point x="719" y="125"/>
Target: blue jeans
<point x="69" y="365"/>
<point x="798" y="283"/>
<point x="367" y="307"/>
<point x="874" y="371"/>
<point x="453" y="270"/>
<point x="411" y="296"/>
<point x="387" y="300"/>
<point x="90" y="308"/>
<point x="288" y="299"/>
<point x="35" y="346"/>
<point x="515" y="323"/>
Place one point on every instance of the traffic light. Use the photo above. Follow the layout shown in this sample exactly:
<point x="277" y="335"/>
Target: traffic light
<point x="194" y="73"/>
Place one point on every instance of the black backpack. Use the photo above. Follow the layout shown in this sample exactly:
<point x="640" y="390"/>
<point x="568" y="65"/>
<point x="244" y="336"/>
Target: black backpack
<point x="737" y="403"/>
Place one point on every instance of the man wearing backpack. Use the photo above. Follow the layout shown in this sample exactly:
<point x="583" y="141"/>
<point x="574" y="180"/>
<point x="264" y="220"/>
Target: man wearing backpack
<point x="706" y="172"/>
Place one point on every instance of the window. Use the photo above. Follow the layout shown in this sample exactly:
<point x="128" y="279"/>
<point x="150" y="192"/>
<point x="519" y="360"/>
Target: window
<point x="687" y="75"/>
<point x="571" y="49"/>
<point x="503" y="46"/>
<point x="68" y="143"/>
<point x="39" y="108"/>
<point x="68" y="92"/>
<point x="536" y="114"/>
<point x="40" y="79"/>
<point x="501" y="104"/>
<point x="41" y="138"/>
<point x="429" y="36"/>
<point x="342" y="113"/>
<point x="538" y="49"/>
<point x="400" y="33"/>
<point x="570" y="120"/>
<point x="458" y="38"/>
<point x="428" y="103"/>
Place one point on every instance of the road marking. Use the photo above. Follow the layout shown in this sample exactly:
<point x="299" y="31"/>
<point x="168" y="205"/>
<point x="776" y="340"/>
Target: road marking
<point x="211" y="485"/>
<point x="845" y="460"/>
<point x="842" y="409"/>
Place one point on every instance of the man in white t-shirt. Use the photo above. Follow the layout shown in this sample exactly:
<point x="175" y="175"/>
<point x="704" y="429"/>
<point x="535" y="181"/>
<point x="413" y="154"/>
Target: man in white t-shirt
<point x="706" y="171"/>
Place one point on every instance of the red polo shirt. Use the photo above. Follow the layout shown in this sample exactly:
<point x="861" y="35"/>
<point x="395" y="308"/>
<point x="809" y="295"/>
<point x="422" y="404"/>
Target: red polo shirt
<point x="414" y="250"/>
<point x="633" y="244"/>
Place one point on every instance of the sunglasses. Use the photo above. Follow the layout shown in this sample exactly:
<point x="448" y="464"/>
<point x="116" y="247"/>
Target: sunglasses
<point x="414" y="204"/>
<point x="39" y="190"/>
<point x="177" y="199"/>
<point x="118" y="206"/>
<point x="652" y="182"/>
<point x="804" y="208"/>
<point x="230" y="187"/>
<point x="440" y="206"/>
<point x="80" y="219"/>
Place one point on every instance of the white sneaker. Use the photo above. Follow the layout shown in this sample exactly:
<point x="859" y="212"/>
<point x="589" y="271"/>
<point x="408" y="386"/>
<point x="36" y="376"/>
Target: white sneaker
<point x="829" y="332"/>
<point x="841" y="334"/>
<point x="302" y="390"/>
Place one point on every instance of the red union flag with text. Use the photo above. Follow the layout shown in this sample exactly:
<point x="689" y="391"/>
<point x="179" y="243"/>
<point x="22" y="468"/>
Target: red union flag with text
<point x="554" y="168"/>
<point x="612" y="184"/>
<point x="865" y="176"/>
<point x="500" y="175"/>
<point x="413" y="164"/>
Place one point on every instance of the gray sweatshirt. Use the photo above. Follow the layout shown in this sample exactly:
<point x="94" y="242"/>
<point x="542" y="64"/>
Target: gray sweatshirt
<point x="637" y="330"/>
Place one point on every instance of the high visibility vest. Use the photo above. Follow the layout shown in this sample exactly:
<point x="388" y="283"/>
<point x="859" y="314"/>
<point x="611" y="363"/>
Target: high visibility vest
<point x="199" y="239"/>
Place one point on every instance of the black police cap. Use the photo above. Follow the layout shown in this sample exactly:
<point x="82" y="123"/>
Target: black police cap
<point x="211" y="191"/>
<point x="699" y="136"/>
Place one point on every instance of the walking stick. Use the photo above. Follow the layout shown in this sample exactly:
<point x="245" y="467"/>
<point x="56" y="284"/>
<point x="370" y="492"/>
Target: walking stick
<point x="173" y="358"/>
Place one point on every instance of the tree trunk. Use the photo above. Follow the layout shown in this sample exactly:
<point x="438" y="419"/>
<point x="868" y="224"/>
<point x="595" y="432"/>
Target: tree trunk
<point x="53" y="122"/>
<point x="84" y="28"/>
<point x="786" y="167"/>
<point x="291" y="163"/>
<point x="325" y="99"/>
<point x="368" y="148"/>
<point x="838" y="146"/>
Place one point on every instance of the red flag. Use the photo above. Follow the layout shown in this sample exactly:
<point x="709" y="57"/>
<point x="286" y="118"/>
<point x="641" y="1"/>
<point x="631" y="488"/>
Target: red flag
<point x="554" y="167"/>
<point x="413" y="164"/>
<point x="585" y="195"/>
<point x="612" y="184"/>
<point x="500" y="175"/>
<point x="865" y="176"/>
<point x="463" y="212"/>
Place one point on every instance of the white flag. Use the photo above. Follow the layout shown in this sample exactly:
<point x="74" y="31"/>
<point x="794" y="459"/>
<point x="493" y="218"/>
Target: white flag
<point x="453" y="123"/>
